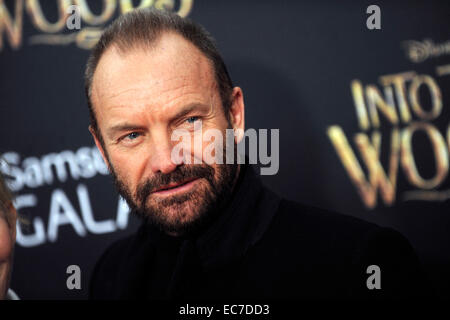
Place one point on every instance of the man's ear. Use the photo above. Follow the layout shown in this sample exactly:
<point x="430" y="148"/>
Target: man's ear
<point x="237" y="113"/>
<point x="99" y="146"/>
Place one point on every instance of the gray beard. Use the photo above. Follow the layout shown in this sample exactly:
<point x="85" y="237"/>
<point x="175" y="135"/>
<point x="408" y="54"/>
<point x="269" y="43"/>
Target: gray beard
<point x="208" y="203"/>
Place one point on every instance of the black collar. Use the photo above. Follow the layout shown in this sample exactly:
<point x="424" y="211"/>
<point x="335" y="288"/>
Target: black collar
<point x="241" y="224"/>
<point x="225" y="241"/>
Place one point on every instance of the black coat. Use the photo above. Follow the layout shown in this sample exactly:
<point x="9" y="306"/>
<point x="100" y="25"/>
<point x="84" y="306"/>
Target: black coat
<point x="266" y="247"/>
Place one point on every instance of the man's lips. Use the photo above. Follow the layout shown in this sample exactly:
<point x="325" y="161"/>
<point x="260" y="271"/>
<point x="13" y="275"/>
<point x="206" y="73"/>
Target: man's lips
<point x="175" y="186"/>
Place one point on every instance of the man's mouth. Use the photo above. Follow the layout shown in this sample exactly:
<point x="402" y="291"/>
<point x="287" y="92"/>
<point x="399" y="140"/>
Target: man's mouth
<point x="175" y="187"/>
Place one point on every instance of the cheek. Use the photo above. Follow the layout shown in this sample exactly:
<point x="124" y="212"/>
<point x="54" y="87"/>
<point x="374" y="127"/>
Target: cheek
<point x="212" y="142"/>
<point x="5" y="241"/>
<point x="129" y="168"/>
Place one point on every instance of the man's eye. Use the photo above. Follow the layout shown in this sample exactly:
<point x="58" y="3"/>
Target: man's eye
<point x="192" y="119"/>
<point x="132" y="135"/>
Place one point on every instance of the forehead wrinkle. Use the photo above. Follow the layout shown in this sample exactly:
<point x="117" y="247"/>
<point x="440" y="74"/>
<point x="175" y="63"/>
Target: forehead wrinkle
<point x="166" y="106"/>
<point x="182" y="82"/>
<point x="166" y="95"/>
<point x="160" y="110"/>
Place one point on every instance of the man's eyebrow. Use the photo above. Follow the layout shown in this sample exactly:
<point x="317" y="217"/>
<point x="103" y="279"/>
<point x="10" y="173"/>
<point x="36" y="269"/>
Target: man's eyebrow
<point x="189" y="108"/>
<point x="124" y="127"/>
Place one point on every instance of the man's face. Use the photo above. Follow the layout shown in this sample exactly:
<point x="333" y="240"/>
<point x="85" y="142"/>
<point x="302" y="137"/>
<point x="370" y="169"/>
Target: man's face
<point x="140" y="99"/>
<point x="7" y="239"/>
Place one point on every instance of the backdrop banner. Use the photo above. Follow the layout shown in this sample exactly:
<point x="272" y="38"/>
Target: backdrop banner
<point x="363" y="117"/>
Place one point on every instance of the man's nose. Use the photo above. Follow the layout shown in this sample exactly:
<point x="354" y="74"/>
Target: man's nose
<point x="161" y="159"/>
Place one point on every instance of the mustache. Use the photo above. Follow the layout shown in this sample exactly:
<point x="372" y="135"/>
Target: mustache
<point x="181" y="173"/>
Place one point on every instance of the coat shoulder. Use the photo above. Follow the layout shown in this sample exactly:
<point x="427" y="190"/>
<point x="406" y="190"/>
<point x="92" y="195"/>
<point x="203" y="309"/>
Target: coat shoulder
<point x="294" y="219"/>
<point x="107" y="268"/>
<point x="314" y="252"/>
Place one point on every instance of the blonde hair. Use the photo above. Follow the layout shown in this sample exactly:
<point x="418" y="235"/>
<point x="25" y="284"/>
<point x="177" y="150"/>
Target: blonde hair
<point x="6" y="200"/>
<point x="5" y="194"/>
